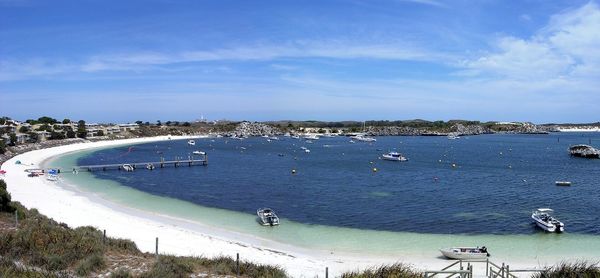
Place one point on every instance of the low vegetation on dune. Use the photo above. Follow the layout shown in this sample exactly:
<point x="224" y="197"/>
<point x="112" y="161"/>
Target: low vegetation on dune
<point x="580" y="269"/>
<point x="42" y="247"/>
<point x="397" y="270"/>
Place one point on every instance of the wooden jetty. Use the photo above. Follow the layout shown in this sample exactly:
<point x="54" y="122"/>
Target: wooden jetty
<point x="145" y="165"/>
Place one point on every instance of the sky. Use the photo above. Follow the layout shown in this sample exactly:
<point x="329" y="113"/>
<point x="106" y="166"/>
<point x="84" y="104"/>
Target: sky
<point x="122" y="61"/>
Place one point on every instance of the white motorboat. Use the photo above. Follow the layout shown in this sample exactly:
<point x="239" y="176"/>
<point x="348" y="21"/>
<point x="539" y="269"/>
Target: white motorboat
<point x="199" y="153"/>
<point x="563" y="183"/>
<point x="274" y="138"/>
<point x="191" y="142"/>
<point x="150" y="166"/>
<point x="52" y="177"/>
<point x="462" y="253"/>
<point x="394" y="156"/>
<point x="267" y="217"/>
<point x="363" y="138"/>
<point x="295" y="136"/>
<point x="128" y="167"/>
<point x="545" y="220"/>
<point x="311" y="137"/>
<point x="453" y="136"/>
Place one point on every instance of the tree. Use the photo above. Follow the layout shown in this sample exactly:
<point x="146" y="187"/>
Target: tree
<point x="187" y="124"/>
<point x="33" y="137"/>
<point x="44" y="127"/>
<point x="100" y="133"/>
<point x="71" y="134"/>
<point x="13" y="139"/>
<point x="81" y="130"/>
<point x="2" y="121"/>
<point x="2" y="146"/>
<point x="168" y="123"/>
<point x="23" y="129"/>
<point x="47" y="120"/>
<point x="158" y="123"/>
<point x="56" y="135"/>
<point x="139" y="122"/>
<point x="57" y="127"/>
<point x="5" y="198"/>
<point x="66" y="121"/>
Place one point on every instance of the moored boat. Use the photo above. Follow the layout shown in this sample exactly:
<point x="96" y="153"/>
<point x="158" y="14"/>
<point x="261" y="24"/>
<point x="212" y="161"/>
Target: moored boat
<point x="191" y="142"/>
<point x="545" y="220"/>
<point x="267" y="217"/>
<point x="462" y="253"/>
<point x="199" y="153"/>
<point x="363" y="138"/>
<point x="563" y="183"/>
<point x="128" y="167"/>
<point x="394" y="156"/>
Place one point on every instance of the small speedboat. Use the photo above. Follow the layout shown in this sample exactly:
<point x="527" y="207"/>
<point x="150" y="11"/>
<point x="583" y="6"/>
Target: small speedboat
<point x="363" y="138"/>
<point x="267" y="217"/>
<point x="394" y="156"/>
<point x="563" y="183"/>
<point x="150" y="166"/>
<point x="199" y="153"/>
<point x="545" y="220"/>
<point x="461" y="253"/>
<point x="191" y="142"/>
<point x="453" y="136"/>
<point x="311" y="137"/>
<point x="128" y="167"/>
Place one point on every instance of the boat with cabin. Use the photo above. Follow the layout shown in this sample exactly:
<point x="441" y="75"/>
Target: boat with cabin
<point x="267" y="217"/>
<point x="128" y="167"/>
<point x="191" y="142"/>
<point x="544" y="219"/>
<point x="465" y="253"/>
<point x="394" y="156"/>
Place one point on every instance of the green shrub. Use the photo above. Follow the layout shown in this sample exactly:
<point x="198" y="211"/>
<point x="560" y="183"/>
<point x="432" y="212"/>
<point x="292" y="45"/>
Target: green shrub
<point x="121" y="273"/>
<point x="580" y="269"/>
<point x="90" y="264"/>
<point x="397" y="270"/>
<point x="169" y="267"/>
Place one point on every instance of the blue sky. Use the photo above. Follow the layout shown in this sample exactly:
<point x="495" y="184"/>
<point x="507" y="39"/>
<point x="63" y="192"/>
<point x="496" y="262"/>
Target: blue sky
<point x="118" y="61"/>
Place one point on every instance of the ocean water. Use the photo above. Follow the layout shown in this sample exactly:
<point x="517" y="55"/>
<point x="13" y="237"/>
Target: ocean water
<point x="336" y="201"/>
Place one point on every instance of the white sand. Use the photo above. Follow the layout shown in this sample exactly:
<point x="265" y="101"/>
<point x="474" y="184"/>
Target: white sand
<point x="176" y="236"/>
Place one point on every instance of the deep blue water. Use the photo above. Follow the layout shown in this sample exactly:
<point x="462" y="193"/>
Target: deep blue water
<point x="498" y="181"/>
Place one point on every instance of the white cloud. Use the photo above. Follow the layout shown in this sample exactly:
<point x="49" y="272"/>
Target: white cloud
<point x="566" y="48"/>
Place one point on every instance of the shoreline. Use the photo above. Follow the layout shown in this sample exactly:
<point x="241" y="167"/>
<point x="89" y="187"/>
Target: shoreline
<point x="176" y="236"/>
<point x="180" y="236"/>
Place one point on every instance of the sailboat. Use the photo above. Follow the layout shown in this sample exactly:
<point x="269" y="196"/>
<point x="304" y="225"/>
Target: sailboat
<point x="362" y="137"/>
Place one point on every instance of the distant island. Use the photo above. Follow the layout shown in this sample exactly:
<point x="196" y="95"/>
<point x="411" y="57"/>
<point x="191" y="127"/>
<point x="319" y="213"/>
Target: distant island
<point x="47" y="129"/>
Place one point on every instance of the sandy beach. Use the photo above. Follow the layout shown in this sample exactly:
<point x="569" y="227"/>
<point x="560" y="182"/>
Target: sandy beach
<point x="65" y="203"/>
<point x="70" y="204"/>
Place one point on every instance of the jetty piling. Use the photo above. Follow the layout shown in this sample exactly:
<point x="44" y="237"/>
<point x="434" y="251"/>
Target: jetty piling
<point x="156" y="248"/>
<point x="237" y="264"/>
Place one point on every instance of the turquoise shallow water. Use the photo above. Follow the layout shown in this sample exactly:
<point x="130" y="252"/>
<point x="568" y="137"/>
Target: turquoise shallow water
<point x="531" y="245"/>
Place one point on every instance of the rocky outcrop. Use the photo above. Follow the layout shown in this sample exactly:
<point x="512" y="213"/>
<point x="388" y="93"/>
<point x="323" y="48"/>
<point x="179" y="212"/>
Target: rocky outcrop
<point x="458" y="129"/>
<point x="254" y="129"/>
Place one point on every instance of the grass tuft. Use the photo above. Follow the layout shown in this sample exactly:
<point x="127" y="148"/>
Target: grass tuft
<point x="580" y="269"/>
<point x="396" y="270"/>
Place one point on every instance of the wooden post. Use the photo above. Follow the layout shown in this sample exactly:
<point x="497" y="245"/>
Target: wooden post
<point x="507" y="271"/>
<point x="502" y="269"/>
<point x="157" y="248"/>
<point x="326" y="272"/>
<point x="237" y="264"/>
<point x="16" y="219"/>
<point x="487" y="266"/>
<point x="104" y="237"/>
